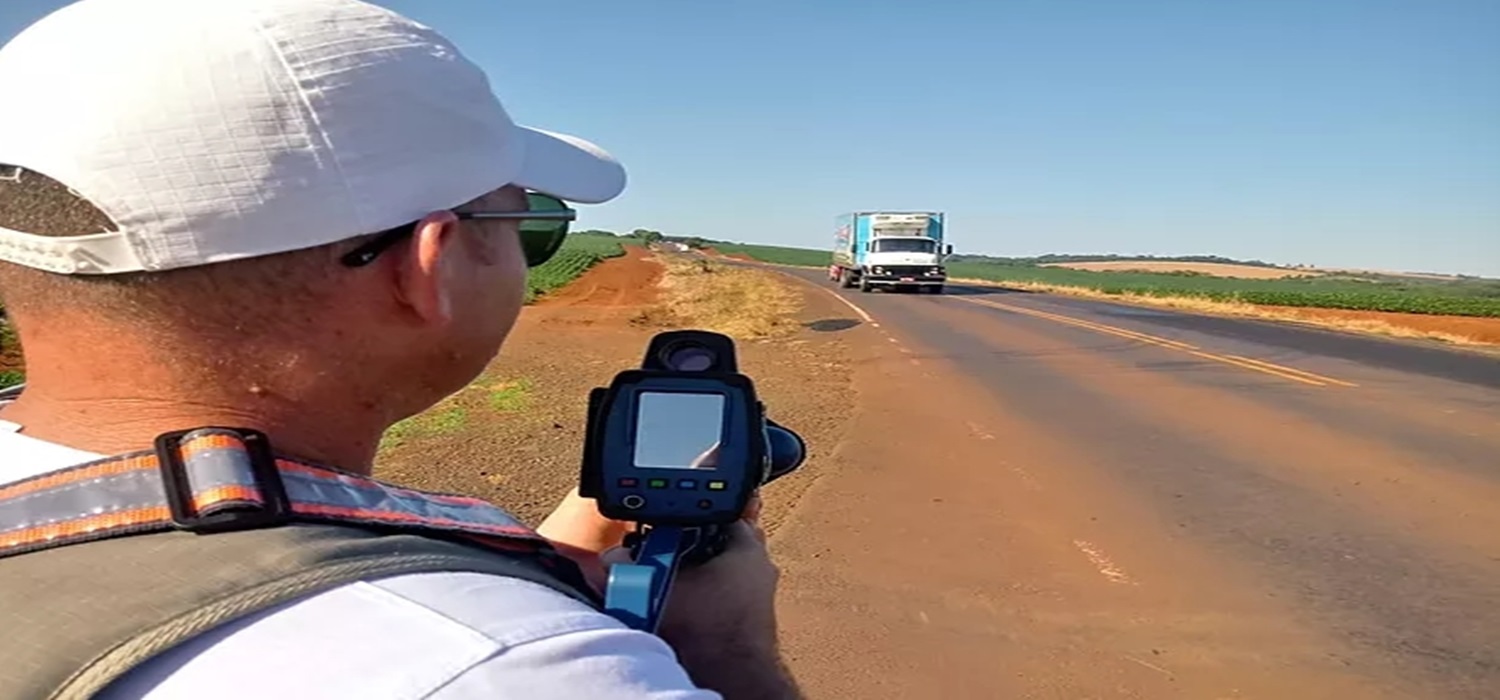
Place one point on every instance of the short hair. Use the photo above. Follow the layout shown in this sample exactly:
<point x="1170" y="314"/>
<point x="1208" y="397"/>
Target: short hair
<point x="37" y="204"/>
<point x="255" y="290"/>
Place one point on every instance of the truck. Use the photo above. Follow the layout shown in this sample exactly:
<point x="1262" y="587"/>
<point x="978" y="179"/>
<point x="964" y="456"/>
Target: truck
<point x="894" y="250"/>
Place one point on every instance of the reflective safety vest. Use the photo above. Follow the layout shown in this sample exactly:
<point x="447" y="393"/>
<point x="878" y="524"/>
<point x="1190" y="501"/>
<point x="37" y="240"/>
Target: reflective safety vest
<point x="106" y="564"/>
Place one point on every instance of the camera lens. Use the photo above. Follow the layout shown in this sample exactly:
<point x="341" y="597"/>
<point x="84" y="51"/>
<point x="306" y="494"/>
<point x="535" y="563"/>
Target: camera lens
<point x="690" y="358"/>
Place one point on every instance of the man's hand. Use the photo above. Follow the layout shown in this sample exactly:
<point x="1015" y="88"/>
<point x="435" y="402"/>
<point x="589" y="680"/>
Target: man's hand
<point x="721" y="619"/>
<point x="721" y="615"/>
<point x="581" y="533"/>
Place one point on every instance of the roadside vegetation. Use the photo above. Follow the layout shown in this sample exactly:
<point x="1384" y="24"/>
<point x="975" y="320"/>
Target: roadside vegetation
<point x="490" y="394"/>
<point x="12" y="370"/>
<point x="740" y="302"/>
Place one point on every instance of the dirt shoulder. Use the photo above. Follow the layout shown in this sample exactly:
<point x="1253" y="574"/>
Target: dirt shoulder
<point x="514" y="436"/>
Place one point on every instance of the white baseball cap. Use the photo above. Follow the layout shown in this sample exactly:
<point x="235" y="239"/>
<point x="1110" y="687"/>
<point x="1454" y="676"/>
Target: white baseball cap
<point x="213" y="130"/>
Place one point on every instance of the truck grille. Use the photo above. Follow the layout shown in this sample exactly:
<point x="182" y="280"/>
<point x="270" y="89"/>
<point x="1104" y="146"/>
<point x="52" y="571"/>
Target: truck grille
<point x="906" y="270"/>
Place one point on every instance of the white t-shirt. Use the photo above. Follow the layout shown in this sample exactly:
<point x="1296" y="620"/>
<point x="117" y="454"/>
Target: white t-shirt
<point x="446" y="636"/>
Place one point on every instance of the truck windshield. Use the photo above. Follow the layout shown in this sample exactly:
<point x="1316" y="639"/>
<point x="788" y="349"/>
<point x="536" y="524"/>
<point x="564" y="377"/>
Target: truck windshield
<point x="904" y="245"/>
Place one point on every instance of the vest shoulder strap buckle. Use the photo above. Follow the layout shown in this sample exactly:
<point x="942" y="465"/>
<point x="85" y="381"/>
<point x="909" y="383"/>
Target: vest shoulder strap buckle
<point x="262" y="502"/>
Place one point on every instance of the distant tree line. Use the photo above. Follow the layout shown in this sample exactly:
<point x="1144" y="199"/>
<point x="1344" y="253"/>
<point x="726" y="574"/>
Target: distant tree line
<point x="648" y="236"/>
<point x="1055" y="258"/>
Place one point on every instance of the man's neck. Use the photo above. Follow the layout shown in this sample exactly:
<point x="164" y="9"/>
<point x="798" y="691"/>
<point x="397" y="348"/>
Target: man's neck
<point x="126" y="421"/>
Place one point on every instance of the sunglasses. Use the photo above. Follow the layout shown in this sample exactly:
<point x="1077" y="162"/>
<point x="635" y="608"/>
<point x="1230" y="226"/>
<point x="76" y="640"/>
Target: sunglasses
<point x="543" y="227"/>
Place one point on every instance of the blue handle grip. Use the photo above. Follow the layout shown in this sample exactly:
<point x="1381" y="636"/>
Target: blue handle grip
<point x="637" y="592"/>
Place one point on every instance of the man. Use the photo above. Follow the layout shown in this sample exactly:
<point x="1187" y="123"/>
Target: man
<point x="267" y="213"/>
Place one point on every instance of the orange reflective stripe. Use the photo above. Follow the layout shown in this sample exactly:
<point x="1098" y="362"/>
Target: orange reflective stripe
<point x="218" y="479"/>
<point x="226" y="494"/>
<point x="198" y="444"/>
<point x="83" y="527"/>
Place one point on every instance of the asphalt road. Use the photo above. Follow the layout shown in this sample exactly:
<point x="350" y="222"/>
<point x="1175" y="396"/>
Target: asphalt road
<point x="1049" y="497"/>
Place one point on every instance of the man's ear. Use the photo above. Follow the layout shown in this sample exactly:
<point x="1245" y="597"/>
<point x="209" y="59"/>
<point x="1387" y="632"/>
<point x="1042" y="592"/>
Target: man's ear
<point x="424" y="274"/>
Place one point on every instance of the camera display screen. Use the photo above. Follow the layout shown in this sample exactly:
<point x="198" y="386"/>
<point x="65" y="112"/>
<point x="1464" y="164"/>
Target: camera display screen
<point x="678" y="430"/>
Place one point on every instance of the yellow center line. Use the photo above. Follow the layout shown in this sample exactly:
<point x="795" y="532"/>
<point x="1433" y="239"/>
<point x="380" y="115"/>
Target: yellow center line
<point x="1294" y="370"/>
<point x="1252" y="364"/>
<point x="1272" y="370"/>
<point x="1165" y="342"/>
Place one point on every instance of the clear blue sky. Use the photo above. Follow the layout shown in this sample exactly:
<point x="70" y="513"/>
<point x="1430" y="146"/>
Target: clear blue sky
<point x="1332" y="132"/>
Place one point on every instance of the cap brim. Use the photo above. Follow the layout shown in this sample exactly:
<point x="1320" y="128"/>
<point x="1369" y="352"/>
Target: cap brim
<point x="569" y="168"/>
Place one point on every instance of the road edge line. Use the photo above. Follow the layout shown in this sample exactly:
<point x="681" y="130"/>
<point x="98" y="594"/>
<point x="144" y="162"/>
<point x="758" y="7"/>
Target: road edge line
<point x="862" y="313"/>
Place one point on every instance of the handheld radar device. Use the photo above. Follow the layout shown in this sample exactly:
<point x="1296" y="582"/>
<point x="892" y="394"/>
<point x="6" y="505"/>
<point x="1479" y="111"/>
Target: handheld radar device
<point x="678" y="446"/>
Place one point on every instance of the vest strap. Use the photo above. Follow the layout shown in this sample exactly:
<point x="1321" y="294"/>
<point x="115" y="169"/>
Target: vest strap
<point x="103" y="564"/>
<point x="218" y="479"/>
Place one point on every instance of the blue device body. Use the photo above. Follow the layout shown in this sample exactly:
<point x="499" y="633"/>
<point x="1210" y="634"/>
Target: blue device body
<point x="681" y="508"/>
<point x="683" y="497"/>
<point x="678" y="447"/>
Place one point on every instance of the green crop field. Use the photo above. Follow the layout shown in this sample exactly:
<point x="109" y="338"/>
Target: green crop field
<point x="1450" y="298"/>
<point x="1461" y="297"/>
<point x="580" y="252"/>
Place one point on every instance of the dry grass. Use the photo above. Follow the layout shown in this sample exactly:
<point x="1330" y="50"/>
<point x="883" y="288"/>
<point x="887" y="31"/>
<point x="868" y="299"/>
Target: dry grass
<point x="1357" y="322"/>
<point x="743" y="303"/>
<point x="1214" y="269"/>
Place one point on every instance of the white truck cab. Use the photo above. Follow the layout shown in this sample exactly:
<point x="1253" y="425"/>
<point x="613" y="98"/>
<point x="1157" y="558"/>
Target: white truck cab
<point x="894" y="250"/>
